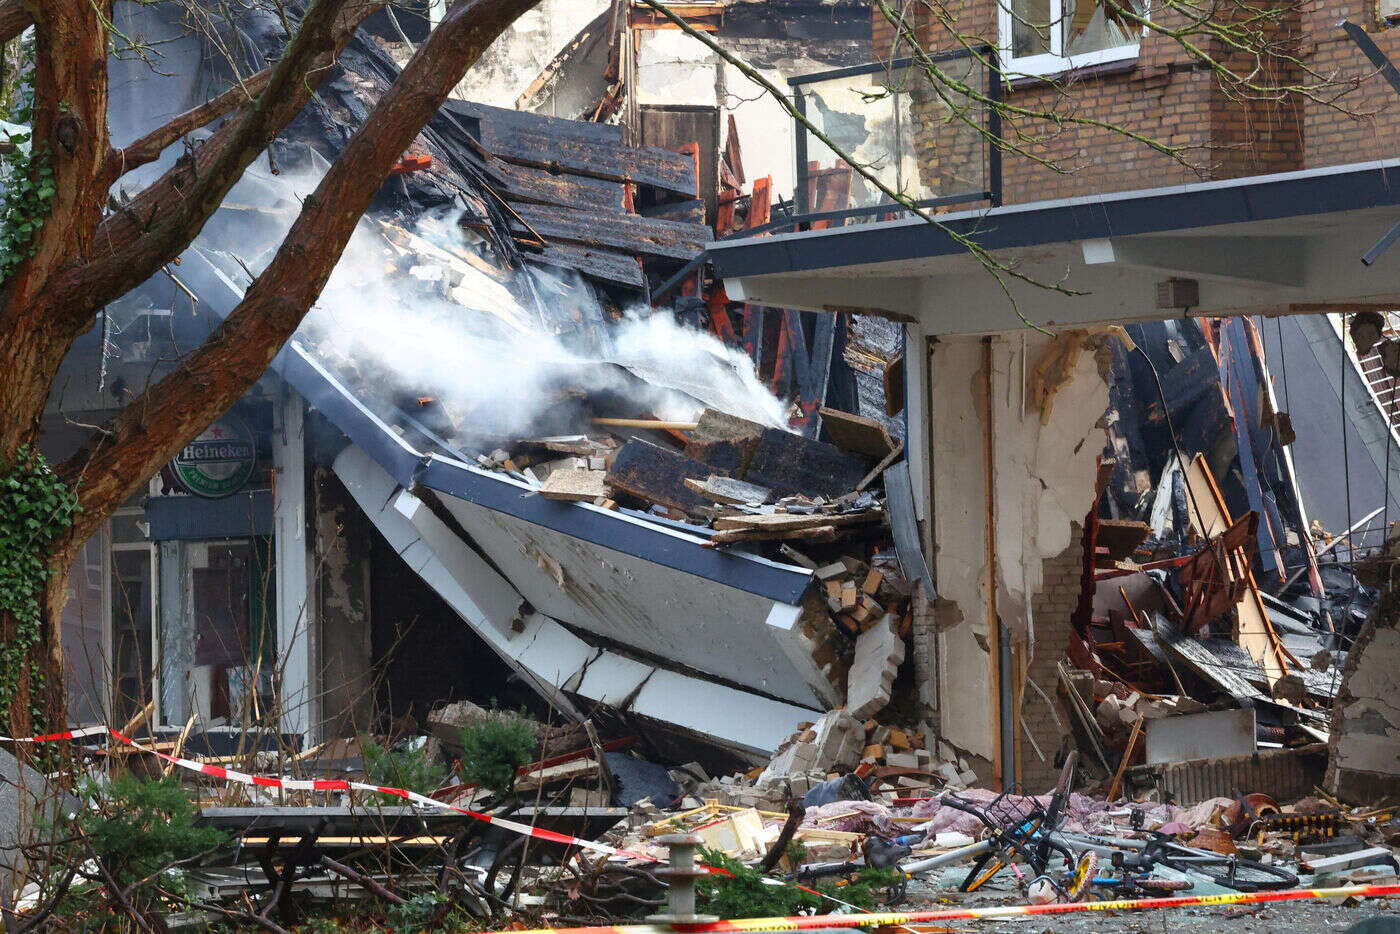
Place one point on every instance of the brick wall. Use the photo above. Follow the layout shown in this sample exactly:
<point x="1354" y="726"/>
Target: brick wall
<point x="1330" y="136"/>
<point x="1053" y="608"/>
<point x="1164" y="96"/>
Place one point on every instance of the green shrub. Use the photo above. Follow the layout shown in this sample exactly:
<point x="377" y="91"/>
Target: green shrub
<point x="139" y="828"/>
<point x="493" y="748"/>
<point x="410" y="769"/>
<point x="743" y="893"/>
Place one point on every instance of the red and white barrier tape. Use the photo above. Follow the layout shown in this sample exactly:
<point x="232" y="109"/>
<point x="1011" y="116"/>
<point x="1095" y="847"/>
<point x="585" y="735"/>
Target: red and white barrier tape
<point x="900" y="919"/>
<point x="332" y="784"/>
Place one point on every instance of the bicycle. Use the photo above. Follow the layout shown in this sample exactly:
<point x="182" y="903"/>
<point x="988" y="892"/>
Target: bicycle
<point x="1015" y="831"/>
<point x="1141" y="856"/>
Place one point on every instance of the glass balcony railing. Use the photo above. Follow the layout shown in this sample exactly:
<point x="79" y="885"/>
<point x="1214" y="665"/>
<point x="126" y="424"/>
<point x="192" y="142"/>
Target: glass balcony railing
<point x="922" y="127"/>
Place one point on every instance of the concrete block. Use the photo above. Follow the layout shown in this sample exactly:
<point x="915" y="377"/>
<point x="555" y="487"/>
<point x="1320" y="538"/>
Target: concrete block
<point x="879" y="653"/>
<point x="902" y="760"/>
<point x="840" y="739"/>
<point x="1371" y="856"/>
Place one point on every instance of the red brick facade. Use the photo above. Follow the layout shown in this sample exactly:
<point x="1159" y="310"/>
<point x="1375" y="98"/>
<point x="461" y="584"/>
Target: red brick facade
<point x="1164" y="96"/>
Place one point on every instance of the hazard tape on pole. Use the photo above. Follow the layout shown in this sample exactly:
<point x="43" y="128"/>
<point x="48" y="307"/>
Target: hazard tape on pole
<point x="810" y="922"/>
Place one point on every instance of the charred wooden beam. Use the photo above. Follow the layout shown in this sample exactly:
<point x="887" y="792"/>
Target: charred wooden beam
<point x="657" y="475"/>
<point x="630" y="232"/>
<point x="580" y="147"/>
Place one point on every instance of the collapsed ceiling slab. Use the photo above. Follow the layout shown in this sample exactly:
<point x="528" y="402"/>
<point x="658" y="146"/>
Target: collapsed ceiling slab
<point x="561" y="665"/>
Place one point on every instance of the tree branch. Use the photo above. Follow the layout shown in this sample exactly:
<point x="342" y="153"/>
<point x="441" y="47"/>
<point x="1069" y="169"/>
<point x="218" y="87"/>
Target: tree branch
<point x="149" y="147"/>
<point x="133" y="243"/>
<point x="153" y="427"/>
<point x="14" y="19"/>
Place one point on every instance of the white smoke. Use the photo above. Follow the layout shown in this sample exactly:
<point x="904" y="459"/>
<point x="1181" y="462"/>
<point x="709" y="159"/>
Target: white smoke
<point x="414" y="316"/>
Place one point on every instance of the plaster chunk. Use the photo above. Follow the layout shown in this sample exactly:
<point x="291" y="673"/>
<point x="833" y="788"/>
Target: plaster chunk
<point x="879" y="653"/>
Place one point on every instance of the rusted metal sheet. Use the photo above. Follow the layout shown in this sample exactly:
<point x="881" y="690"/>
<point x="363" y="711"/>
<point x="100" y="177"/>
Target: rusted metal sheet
<point x="577" y="146"/>
<point x="630" y="232"/>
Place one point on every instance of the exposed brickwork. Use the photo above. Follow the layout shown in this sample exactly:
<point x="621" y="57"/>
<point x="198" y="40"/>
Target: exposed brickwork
<point x="1053" y="608"/>
<point x="1330" y="136"/>
<point x="1164" y="96"/>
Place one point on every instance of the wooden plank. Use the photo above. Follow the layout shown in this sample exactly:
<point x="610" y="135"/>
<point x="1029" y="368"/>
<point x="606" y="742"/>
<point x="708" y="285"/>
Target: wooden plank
<point x="631" y="233"/>
<point x="817" y="533"/>
<point x="657" y="475"/>
<point x="676" y="126"/>
<point x="714" y="425"/>
<point x="730" y="455"/>
<point x="1210" y="516"/>
<point x="728" y="490"/>
<point x="893" y="380"/>
<point x="577" y="146"/>
<point x="604" y="265"/>
<point x="1201" y="660"/>
<point x="688" y="212"/>
<point x="857" y="433"/>
<point x="789" y="463"/>
<point x="783" y="520"/>
<point x="575" y="484"/>
<point x="524" y="184"/>
<point x="1121" y="536"/>
<point x="1083" y="717"/>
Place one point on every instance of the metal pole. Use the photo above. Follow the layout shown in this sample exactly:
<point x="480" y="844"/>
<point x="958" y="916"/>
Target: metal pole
<point x="680" y="875"/>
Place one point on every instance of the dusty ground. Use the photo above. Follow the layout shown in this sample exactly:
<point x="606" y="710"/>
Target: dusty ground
<point x="1298" y="917"/>
<point x="1290" y="918"/>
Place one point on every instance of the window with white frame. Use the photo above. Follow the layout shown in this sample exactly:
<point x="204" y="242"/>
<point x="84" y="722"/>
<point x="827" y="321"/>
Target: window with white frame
<point x="1045" y="37"/>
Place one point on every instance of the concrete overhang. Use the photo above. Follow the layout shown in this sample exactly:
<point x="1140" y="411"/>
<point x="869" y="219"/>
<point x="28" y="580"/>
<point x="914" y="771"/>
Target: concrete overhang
<point x="1264" y="244"/>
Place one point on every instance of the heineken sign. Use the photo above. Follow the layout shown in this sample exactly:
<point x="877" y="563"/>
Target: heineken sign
<point x="219" y="462"/>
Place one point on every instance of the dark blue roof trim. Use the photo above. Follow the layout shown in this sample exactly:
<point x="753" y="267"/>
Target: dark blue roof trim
<point x="409" y="467"/>
<point x="347" y="413"/>
<point x="1207" y="204"/>
<point x="630" y="536"/>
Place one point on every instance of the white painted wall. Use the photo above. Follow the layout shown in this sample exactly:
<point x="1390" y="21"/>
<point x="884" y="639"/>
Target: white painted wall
<point x="521" y="53"/>
<point x="1043" y="481"/>
<point x="295" y="621"/>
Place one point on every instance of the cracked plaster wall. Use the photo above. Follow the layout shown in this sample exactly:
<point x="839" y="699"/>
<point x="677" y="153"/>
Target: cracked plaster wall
<point x="343" y="536"/>
<point x="1364" y="752"/>
<point x="514" y="60"/>
<point x="1048" y="398"/>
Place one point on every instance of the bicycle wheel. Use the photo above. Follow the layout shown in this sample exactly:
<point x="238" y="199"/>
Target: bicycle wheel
<point x="1242" y="875"/>
<point x="982" y="871"/>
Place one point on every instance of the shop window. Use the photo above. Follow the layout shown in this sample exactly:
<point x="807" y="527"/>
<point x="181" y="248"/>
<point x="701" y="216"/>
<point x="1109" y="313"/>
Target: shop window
<point x="218" y="642"/>
<point x="132" y="612"/>
<point x="1045" y="37"/>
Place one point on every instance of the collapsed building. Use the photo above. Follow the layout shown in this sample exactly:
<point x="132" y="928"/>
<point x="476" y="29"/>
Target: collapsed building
<point x="354" y="541"/>
<point x="488" y="469"/>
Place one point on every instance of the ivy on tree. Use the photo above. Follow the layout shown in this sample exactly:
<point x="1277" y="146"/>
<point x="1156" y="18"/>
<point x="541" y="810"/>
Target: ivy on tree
<point x="36" y="508"/>
<point x="29" y="186"/>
